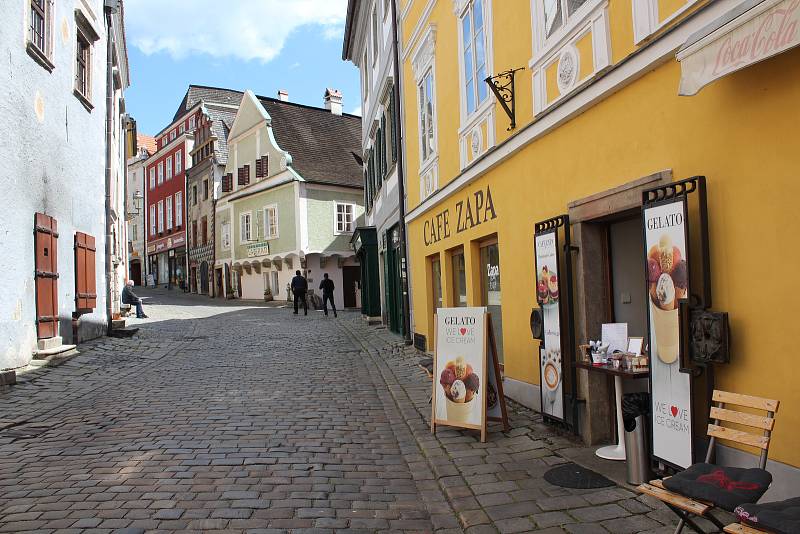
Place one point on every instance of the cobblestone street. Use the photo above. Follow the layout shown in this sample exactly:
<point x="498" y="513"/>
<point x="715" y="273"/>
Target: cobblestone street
<point x="238" y="417"/>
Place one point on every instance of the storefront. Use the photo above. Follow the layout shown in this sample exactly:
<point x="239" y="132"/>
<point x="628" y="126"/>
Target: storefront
<point x="365" y="245"/>
<point x="167" y="260"/>
<point x="739" y="132"/>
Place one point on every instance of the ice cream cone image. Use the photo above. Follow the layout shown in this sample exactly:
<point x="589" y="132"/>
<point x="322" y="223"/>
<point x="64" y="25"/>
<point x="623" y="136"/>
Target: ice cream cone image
<point x="460" y="385"/>
<point x="665" y="323"/>
<point x="458" y="411"/>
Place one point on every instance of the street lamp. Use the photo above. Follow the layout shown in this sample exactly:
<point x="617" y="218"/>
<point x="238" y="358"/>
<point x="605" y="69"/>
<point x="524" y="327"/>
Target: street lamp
<point x="138" y="201"/>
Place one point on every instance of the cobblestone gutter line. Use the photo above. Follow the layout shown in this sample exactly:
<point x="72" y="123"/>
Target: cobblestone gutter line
<point x="499" y="485"/>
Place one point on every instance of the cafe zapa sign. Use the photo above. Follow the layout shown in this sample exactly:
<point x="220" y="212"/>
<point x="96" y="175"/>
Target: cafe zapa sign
<point x="470" y="212"/>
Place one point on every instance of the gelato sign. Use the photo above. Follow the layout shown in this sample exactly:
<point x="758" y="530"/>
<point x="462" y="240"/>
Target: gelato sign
<point x="668" y="283"/>
<point x="548" y="297"/>
<point x="752" y="35"/>
<point x="460" y="364"/>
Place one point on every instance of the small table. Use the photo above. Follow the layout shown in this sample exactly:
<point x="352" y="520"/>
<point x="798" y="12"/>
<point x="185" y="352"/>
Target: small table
<point x="615" y="452"/>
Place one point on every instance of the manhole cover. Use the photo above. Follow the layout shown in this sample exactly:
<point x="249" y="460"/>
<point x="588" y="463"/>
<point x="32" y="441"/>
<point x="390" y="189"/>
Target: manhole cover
<point x="572" y="475"/>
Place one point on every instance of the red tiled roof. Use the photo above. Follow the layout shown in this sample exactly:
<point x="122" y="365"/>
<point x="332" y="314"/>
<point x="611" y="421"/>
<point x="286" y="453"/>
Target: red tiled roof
<point x="147" y="142"/>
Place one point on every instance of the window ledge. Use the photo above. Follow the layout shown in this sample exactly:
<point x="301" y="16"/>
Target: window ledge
<point x="40" y="57"/>
<point x="476" y="116"/>
<point x="83" y="100"/>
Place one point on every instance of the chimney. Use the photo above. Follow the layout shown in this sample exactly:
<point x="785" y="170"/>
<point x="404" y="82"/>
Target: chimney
<point x="333" y="101"/>
<point x="283" y="95"/>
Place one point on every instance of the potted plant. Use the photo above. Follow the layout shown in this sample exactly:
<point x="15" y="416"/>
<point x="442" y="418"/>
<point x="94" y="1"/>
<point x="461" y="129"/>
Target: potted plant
<point x="268" y="295"/>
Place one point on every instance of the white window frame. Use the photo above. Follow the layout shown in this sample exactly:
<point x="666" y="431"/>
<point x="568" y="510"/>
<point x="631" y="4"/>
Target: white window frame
<point x="152" y="219"/>
<point x="423" y="64"/>
<point x="172" y="135"/>
<point x="375" y="41"/>
<point x="348" y="226"/>
<point x="544" y="45"/>
<point x="169" y="167"/>
<point x="160" y="216"/>
<point x="179" y="208"/>
<point x="647" y="19"/>
<point x="178" y="162"/>
<point x="248" y="237"/>
<point x="182" y="128"/>
<point x="270" y="230"/>
<point x="152" y="178"/>
<point x="426" y="155"/>
<point x="365" y="82"/>
<point x="225" y="235"/>
<point x="160" y="172"/>
<point x="192" y="122"/>
<point x="83" y="35"/>
<point x="467" y="10"/>
<point x="169" y="213"/>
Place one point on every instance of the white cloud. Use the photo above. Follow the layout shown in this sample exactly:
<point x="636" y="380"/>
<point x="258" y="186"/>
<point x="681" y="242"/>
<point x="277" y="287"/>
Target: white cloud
<point x="356" y="111"/>
<point x="242" y="29"/>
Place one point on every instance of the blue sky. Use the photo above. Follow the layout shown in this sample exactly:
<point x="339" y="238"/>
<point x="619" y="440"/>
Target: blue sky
<point x="240" y="50"/>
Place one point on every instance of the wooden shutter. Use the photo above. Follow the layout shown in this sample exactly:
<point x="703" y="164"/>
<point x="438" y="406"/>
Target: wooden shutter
<point x="227" y="183"/>
<point x="264" y="166"/>
<point x="392" y="105"/>
<point x="244" y="175"/>
<point x="85" y="277"/>
<point x="46" y="250"/>
<point x="259" y="172"/>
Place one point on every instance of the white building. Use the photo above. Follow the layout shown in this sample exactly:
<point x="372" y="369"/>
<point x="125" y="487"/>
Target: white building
<point x="137" y="188"/>
<point x="64" y="173"/>
<point x="368" y="43"/>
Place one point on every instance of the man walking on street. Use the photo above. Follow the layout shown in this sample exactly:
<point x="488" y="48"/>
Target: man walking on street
<point x="327" y="288"/>
<point x="129" y="297"/>
<point x="299" y="288"/>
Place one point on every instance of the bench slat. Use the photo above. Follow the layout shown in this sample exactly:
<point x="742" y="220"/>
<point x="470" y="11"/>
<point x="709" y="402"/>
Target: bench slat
<point x="678" y="501"/>
<point x="738" y="528"/>
<point x="732" y="416"/>
<point x="760" y="403"/>
<point x="745" y="438"/>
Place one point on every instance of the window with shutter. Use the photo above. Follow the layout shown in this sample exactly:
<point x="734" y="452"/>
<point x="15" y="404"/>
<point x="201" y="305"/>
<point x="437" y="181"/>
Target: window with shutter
<point x="392" y="105"/>
<point x="85" y="278"/>
<point x="244" y="175"/>
<point x="378" y="156"/>
<point x="258" y="168"/>
<point x="227" y="183"/>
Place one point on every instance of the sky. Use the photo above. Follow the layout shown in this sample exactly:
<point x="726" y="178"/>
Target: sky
<point x="262" y="45"/>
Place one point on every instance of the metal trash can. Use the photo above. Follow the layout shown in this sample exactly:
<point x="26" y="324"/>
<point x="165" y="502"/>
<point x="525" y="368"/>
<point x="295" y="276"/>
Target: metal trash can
<point x="638" y="460"/>
<point x="635" y="412"/>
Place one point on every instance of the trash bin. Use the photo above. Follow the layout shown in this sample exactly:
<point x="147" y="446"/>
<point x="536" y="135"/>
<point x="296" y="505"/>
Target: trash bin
<point x="635" y="411"/>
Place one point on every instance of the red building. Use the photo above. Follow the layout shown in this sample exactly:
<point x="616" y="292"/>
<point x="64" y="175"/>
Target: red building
<point x="165" y="174"/>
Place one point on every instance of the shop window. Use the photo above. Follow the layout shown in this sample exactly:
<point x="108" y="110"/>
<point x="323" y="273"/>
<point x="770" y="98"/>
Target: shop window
<point x="490" y="288"/>
<point x="459" y="278"/>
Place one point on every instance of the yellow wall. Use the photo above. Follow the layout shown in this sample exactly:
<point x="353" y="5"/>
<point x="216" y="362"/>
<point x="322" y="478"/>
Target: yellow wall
<point x="740" y="132"/>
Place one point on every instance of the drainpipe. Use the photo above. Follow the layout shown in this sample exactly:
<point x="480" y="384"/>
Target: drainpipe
<point x="109" y="8"/>
<point x="401" y="189"/>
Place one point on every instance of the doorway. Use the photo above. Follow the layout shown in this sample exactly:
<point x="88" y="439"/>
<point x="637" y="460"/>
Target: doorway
<point x="136" y="272"/>
<point x="204" y="278"/>
<point x="351" y="277"/>
<point x="394" y="303"/>
<point x="627" y="288"/>
<point x="490" y="289"/>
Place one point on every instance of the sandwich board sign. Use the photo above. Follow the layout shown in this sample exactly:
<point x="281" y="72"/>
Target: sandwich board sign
<point x="466" y="389"/>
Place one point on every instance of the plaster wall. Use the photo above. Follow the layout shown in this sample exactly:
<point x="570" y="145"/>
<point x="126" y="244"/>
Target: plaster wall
<point x="321" y="205"/>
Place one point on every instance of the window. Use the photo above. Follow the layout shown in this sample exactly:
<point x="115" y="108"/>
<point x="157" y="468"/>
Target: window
<point x="181" y="128"/>
<point x="178" y="209"/>
<point x="172" y="135"/>
<point x="160" y="216"/>
<point x="205" y="189"/>
<point x="271" y="222"/>
<point x="426" y="118"/>
<point x="244" y="227"/>
<point x="194" y="233"/>
<point x="244" y="175"/>
<point x="262" y="167"/>
<point x="344" y="218"/>
<point x="227" y="182"/>
<point x="40" y="36"/>
<point x="204" y="229"/>
<point x="375" y="37"/>
<point x="191" y="123"/>
<point x="82" y="65"/>
<point x="169" y="213"/>
<point x="365" y="80"/>
<point x="152" y="219"/>
<point x="152" y="177"/>
<point x="160" y="172"/>
<point x="169" y="167"/>
<point x="225" y="235"/>
<point x="459" y="273"/>
<point x="557" y="12"/>
<point x="134" y="228"/>
<point x="473" y="46"/>
<point x="178" y="162"/>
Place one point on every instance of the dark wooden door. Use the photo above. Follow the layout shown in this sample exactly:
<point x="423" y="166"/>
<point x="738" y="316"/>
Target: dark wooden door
<point x="350" y="277"/>
<point x="46" y="245"/>
<point x="136" y="272"/>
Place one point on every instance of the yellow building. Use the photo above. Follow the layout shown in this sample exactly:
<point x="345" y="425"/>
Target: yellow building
<point x="599" y="122"/>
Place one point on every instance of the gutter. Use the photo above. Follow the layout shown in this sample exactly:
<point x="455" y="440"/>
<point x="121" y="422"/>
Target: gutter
<point x="109" y="9"/>
<point x="401" y="189"/>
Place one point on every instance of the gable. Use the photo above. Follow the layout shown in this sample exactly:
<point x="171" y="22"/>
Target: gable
<point x="251" y="113"/>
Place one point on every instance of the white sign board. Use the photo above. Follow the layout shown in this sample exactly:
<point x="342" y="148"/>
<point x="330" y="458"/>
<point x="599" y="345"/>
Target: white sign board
<point x="460" y="368"/>
<point x="549" y="298"/>
<point x="668" y="283"/>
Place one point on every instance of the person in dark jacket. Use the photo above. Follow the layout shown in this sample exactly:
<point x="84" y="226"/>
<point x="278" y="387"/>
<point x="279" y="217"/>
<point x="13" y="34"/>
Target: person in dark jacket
<point x="299" y="288"/>
<point x="129" y="297"/>
<point x="327" y="288"/>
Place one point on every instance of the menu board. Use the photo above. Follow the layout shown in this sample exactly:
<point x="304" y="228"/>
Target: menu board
<point x="548" y="295"/>
<point x="667" y="283"/>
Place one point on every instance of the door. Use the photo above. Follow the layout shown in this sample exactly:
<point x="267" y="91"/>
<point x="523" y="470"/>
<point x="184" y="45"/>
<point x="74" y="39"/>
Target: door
<point x="490" y="286"/>
<point x="136" y="272"/>
<point x="350" y="277"/>
<point x="46" y="245"/>
<point x="394" y="302"/>
<point x="220" y="293"/>
<point x="204" y="278"/>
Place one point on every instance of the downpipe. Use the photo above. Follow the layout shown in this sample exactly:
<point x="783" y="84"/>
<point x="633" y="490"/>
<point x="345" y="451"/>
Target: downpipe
<point x="109" y="128"/>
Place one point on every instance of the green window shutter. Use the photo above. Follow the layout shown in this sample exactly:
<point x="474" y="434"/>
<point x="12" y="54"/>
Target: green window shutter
<point x="384" y="165"/>
<point x="392" y="105"/>
<point x="379" y="148"/>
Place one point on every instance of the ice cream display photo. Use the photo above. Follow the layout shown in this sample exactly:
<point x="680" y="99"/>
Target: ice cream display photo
<point x="460" y="385"/>
<point x="547" y="287"/>
<point x="667" y="275"/>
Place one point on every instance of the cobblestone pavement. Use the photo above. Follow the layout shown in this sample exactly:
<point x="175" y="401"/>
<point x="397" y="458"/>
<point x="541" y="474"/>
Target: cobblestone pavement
<point x="237" y="417"/>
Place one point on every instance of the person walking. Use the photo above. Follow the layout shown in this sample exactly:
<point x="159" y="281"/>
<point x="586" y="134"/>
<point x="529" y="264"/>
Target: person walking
<point x="129" y="297"/>
<point x="327" y="288"/>
<point x="299" y="288"/>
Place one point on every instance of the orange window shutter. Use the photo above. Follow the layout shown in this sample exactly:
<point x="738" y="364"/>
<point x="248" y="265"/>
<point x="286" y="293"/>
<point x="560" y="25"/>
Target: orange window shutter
<point x="85" y="272"/>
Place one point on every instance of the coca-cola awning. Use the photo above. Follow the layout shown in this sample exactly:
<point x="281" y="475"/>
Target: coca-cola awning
<point x="753" y="31"/>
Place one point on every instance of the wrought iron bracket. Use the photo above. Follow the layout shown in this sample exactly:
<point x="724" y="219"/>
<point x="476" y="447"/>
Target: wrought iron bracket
<point x="502" y="85"/>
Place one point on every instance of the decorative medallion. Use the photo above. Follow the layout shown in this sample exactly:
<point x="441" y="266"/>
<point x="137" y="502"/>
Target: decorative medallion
<point x="476" y="142"/>
<point x="568" y="68"/>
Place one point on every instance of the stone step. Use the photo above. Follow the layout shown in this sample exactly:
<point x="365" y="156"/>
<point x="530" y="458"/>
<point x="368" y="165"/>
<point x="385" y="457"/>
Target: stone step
<point x="124" y="332"/>
<point x="56" y="359"/>
<point x="49" y="343"/>
<point x="54" y="351"/>
<point x="117" y="324"/>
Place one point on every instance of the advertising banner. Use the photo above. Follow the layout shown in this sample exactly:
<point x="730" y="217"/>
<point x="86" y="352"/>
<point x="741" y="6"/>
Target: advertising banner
<point x="668" y="283"/>
<point x="460" y="368"/>
<point x="549" y="298"/>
